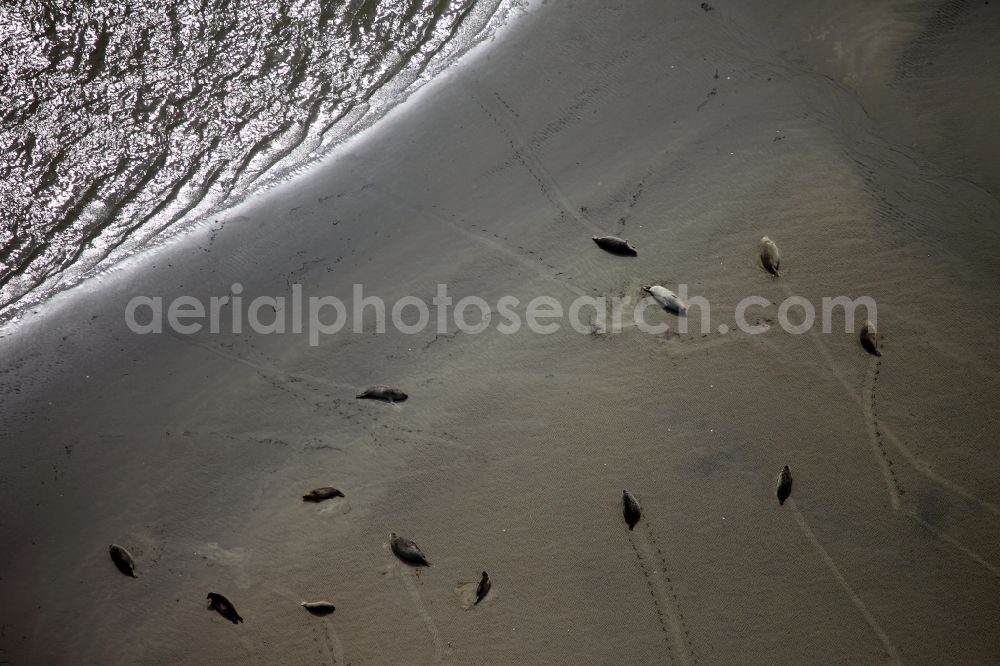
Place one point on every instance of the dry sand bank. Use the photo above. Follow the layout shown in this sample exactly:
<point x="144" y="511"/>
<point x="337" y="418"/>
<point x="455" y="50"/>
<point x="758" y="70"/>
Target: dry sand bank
<point x="512" y="451"/>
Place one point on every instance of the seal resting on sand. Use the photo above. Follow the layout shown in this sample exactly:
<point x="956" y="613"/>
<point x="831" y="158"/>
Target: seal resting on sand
<point x="319" y="607"/>
<point x="224" y="606"/>
<point x="320" y="494"/>
<point x="123" y="560"/>
<point x="631" y="509"/>
<point x="407" y="551"/>
<point x="666" y="298"/>
<point x="869" y="338"/>
<point x="382" y="392"/>
<point x="616" y="245"/>
<point x="784" y="484"/>
<point x="483" y="588"/>
<point x="770" y="256"/>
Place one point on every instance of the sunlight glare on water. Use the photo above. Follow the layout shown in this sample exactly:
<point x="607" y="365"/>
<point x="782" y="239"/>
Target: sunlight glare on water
<point x="121" y="120"/>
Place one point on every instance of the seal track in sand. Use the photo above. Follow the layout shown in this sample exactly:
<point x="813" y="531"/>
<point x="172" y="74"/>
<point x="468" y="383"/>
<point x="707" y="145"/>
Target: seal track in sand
<point x="957" y="544"/>
<point x="333" y="642"/>
<point x="334" y="648"/>
<point x="664" y="599"/>
<point x="502" y="116"/>
<point x="495" y="243"/>
<point x="411" y="588"/>
<point x="877" y="451"/>
<point x="528" y="263"/>
<point x="268" y="370"/>
<point x="248" y="646"/>
<point x="884" y="432"/>
<point x="673" y="595"/>
<point x="925" y="468"/>
<point x="633" y="200"/>
<point x="839" y="577"/>
<point x="875" y="435"/>
<point x="652" y="593"/>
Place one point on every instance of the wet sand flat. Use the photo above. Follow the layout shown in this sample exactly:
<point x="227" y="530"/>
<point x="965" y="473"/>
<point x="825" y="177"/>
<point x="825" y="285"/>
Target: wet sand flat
<point x="855" y="149"/>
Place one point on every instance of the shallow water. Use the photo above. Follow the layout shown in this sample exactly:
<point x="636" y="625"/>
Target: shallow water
<point x="123" y="119"/>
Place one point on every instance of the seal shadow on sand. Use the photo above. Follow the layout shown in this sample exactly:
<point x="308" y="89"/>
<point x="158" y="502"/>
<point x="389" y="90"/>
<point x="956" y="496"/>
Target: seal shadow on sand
<point x="466" y="593"/>
<point x="327" y="640"/>
<point x="235" y="559"/>
<point x="410" y="576"/>
<point x="341" y="508"/>
<point x="666" y="605"/>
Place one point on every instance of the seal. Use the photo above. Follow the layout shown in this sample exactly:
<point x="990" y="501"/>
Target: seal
<point x="869" y="339"/>
<point x="319" y="607"/>
<point x="382" y="392"/>
<point x="320" y="494"/>
<point x="784" y="484"/>
<point x="631" y="509"/>
<point x="407" y="551"/>
<point x="666" y="298"/>
<point x="484" y="587"/>
<point x="770" y="256"/>
<point x="616" y="245"/>
<point x="224" y="606"/>
<point x="123" y="560"/>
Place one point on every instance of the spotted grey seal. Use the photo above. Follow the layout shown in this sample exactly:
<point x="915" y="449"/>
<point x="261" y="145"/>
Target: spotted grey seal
<point x="869" y="338"/>
<point x="319" y="607"/>
<point x="382" y="392"/>
<point x="224" y="606"/>
<point x="784" y="484"/>
<point x="483" y="588"/>
<point x="320" y="494"/>
<point x="666" y="298"/>
<point x="631" y="509"/>
<point x="123" y="560"/>
<point x="616" y="245"/>
<point x="407" y="551"/>
<point x="770" y="256"/>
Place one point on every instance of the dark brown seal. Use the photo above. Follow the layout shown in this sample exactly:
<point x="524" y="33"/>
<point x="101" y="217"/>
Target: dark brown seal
<point x="784" y="484"/>
<point x="483" y="588"/>
<point x="869" y="339"/>
<point x="320" y="494"/>
<point x="224" y="607"/>
<point x="616" y="245"/>
<point x="382" y="392"/>
<point x="631" y="509"/>
<point x="123" y="560"/>
<point x="407" y="551"/>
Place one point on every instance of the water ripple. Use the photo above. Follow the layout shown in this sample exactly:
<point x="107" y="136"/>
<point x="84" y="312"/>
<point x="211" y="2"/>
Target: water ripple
<point x="123" y="120"/>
